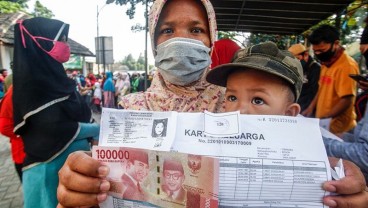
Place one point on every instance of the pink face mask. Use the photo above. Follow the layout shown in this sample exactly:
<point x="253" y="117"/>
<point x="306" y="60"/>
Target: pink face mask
<point x="60" y="51"/>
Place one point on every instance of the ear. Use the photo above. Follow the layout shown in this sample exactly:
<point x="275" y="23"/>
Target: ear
<point x="293" y="109"/>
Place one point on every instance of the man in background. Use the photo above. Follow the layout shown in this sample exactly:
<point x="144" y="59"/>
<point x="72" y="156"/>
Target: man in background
<point x="337" y="91"/>
<point x="311" y="71"/>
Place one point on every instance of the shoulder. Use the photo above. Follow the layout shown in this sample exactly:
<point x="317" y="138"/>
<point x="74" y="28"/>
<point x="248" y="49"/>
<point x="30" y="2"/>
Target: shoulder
<point x="134" y="101"/>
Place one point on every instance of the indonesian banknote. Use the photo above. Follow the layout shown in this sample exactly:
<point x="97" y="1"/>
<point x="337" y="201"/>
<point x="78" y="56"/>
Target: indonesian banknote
<point x="163" y="179"/>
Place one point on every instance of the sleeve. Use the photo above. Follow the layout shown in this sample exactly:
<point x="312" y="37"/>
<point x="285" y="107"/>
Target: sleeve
<point x="6" y="127"/>
<point x="364" y="36"/>
<point x="356" y="152"/>
<point x="344" y="85"/>
<point x="89" y="130"/>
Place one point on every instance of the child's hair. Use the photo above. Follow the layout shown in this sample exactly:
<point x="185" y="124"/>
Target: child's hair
<point x="265" y="57"/>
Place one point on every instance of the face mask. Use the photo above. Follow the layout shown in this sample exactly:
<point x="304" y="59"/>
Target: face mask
<point x="303" y="63"/>
<point x="182" y="61"/>
<point x="60" y="51"/>
<point x="326" y="56"/>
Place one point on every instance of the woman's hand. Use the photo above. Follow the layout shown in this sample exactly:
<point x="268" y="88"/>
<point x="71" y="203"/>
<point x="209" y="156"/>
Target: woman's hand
<point x="82" y="181"/>
<point x="351" y="188"/>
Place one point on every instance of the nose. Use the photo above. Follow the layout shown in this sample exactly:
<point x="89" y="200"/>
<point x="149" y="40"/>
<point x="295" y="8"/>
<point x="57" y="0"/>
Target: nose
<point x="243" y="107"/>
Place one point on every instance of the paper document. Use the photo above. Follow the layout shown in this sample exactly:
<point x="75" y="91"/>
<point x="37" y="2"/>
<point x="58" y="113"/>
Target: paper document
<point x="143" y="129"/>
<point x="273" y="161"/>
<point x="276" y="161"/>
<point x="164" y="179"/>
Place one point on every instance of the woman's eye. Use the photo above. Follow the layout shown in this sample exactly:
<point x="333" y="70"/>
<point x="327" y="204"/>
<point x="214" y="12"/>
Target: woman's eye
<point x="166" y="31"/>
<point x="258" y="101"/>
<point x="231" y="98"/>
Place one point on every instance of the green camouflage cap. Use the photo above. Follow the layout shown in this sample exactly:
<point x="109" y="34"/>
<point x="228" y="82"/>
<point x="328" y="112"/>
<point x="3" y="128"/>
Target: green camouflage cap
<point x="265" y="57"/>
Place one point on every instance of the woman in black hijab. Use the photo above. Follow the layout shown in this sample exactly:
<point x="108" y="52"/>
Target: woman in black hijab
<point x="49" y="114"/>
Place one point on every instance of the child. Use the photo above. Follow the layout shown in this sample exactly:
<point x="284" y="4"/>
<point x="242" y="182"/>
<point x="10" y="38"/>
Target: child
<point x="260" y="80"/>
<point x="97" y="96"/>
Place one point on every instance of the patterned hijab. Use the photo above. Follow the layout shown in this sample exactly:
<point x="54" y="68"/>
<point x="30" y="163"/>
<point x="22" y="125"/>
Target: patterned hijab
<point x="164" y="96"/>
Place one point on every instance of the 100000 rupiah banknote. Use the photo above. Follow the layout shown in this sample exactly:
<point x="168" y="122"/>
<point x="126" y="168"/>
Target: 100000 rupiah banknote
<point x="163" y="179"/>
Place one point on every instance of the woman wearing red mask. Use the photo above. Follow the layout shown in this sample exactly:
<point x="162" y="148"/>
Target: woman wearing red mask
<point x="49" y="114"/>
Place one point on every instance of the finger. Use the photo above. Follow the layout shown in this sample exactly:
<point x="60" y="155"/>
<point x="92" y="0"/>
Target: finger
<point x="68" y="198"/>
<point x="359" y="200"/>
<point x="80" y="181"/>
<point x="83" y="163"/>
<point x="352" y="183"/>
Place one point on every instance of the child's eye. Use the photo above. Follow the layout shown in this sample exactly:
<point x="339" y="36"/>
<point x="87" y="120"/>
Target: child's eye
<point x="231" y="98"/>
<point x="257" y="101"/>
<point x="197" y="30"/>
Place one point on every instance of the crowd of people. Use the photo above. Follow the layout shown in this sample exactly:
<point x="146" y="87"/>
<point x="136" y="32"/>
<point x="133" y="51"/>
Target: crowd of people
<point x="52" y="108"/>
<point x="106" y="90"/>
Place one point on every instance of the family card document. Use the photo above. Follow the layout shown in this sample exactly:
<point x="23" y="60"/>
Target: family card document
<point x="272" y="161"/>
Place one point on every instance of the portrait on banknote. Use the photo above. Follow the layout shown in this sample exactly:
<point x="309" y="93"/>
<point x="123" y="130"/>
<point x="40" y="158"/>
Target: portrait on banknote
<point x="173" y="179"/>
<point x="130" y="186"/>
<point x="159" y="127"/>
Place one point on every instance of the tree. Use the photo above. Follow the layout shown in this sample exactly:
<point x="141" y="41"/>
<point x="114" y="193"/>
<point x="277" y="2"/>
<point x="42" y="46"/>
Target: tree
<point x="41" y="11"/>
<point x="131" y="10"/>
<point x="7" y="7"/>
<point x="12" y="6"/>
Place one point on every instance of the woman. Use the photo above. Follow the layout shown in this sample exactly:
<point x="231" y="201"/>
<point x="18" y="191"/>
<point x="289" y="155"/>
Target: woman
<point x="109" y="92"/>
<point x="49" y="114"/>
<point x="188" y="26"/>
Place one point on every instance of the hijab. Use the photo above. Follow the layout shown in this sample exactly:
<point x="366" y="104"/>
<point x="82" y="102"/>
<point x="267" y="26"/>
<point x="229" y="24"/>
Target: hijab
<point x="223" y="52"/>
<point x="164" y="96"/>
<point x="109" y="83"/>
<point x="43" y="92"/>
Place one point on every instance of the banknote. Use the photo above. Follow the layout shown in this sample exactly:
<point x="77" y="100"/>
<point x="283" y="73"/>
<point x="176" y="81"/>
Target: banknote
<point x="158" y="178"/>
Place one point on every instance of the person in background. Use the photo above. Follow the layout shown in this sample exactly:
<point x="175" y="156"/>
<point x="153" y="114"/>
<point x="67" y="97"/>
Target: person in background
<point x="8" y="79"/>
<point x="337" y="91"/>
<point x="49" y="114"/>
<point x="134" y="82"/>
<point x="6" y="129"/>
<point x="109" y="92"/>
<point x="141" y="87"/>
<point x="223" y="51"/>
<point x="355" y="147"/>
<point x="364" y="42"/>
<point x="3" y="74"/>
<point x="97" y="98"/>
<point x="179" y="85"/>
<point x="311" y="71"/>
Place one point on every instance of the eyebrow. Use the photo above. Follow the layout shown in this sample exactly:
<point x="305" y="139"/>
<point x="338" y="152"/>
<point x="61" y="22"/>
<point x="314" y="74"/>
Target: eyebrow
<point x="260" y="89"/>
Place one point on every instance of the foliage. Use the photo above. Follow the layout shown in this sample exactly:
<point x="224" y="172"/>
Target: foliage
<point x="134" y="65"/>
<point x="7" y="7"/>
<point x="131" y="10"/>
<point x="12" y="6"/>
<point x="41" y="11"/>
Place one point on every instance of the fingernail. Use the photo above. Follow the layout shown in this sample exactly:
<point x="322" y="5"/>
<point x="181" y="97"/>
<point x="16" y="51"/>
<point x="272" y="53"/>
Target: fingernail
<point x="105" y="186"/>
<point x="330" y="203"/>
<point x="101" y="197"/>
<point x="103" y="171"/>
<point x="329" y="188"/>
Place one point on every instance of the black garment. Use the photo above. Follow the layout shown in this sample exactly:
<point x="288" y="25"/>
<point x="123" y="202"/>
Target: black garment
<point x="46" y="106"/>
<point x="364" y="40"/>
<point x="141" y="83"/>
<point x="18" y="168"/>
<point x="311" y="73"/>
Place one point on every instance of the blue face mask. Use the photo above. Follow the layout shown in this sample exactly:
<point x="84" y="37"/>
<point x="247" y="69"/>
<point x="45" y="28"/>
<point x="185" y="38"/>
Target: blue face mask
<point x="182" y="61"/>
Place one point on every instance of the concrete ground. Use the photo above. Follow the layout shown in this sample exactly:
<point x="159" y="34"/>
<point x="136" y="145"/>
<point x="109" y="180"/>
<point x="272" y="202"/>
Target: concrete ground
<point x="10" y="186"/>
